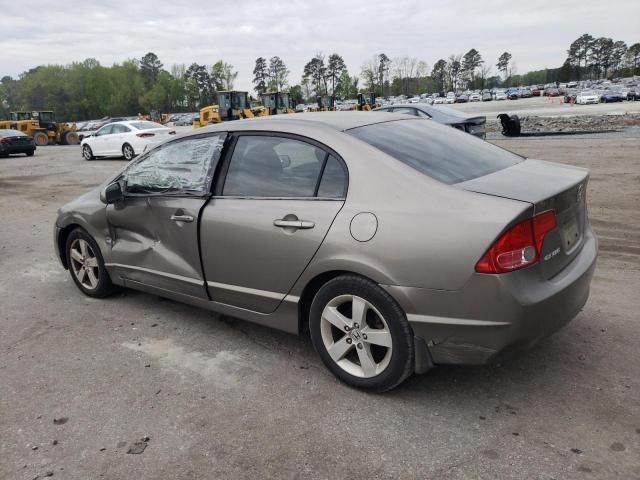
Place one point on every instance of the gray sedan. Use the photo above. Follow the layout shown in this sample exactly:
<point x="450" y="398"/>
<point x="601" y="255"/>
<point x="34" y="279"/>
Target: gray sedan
<point x="474" y="124"/>
<point x="396" y="243"/>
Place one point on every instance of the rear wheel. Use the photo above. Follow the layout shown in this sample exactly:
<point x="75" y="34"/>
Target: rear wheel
<point x="86" y="265"/>
<point x="361" y="334"/>
<point x="30" y="154"/>
<point x="127" y="152"/>
<point x="87" y="153"/>
<point x="41" y="139"/>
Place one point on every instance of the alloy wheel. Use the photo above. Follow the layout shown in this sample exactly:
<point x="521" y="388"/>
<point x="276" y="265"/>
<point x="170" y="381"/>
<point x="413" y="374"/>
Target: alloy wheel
<point x="356" y="336"/>
<point x="128" y="152"/>
<point x="84" y="264"/>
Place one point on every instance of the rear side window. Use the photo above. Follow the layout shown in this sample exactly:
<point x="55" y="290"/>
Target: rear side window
<point x="334" y="180"/>
<point x="439" y="151"/>
<point x="264" y="166"/>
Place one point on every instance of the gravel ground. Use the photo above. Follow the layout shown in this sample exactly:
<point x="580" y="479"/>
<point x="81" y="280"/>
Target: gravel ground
<point x="192" y="395"/>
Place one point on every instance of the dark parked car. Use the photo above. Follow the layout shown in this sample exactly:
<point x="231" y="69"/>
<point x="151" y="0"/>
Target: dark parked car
<point x="611" y="96"/>
<point x="475" y="125"/>
<point x="15" y="141"/>
<point x="552" y="92"/>
<point x="462" y="98"/>
<point x="397" y="243"/>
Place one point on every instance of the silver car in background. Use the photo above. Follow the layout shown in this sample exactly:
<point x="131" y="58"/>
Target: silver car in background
<point x="395" y="242"/>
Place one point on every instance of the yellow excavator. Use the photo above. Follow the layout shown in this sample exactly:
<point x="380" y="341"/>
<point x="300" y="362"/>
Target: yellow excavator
<point x="277" y="103"/>
<point x="230" y="105"/>
<point x="42" y="126"/>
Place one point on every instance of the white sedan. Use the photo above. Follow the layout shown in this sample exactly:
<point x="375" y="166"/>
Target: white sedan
<point x="123" y="139"/>
<point x="587" y="96"/>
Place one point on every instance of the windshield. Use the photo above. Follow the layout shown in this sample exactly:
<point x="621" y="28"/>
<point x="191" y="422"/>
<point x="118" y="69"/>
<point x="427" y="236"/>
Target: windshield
<point x="46" y="117"/>
<point x="439" y="151"/>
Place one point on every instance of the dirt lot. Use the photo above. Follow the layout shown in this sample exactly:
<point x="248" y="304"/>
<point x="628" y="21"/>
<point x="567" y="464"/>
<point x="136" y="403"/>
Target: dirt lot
<point x="82" y="380"/>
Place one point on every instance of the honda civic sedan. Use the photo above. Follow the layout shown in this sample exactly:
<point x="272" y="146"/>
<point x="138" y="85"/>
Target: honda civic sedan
<point x="396" y="243"/>
<point x="123" y="139"/>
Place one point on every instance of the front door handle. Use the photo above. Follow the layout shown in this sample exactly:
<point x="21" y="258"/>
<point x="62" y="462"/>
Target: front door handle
<point x="182" y="218"/>
<point x="293" y="223"/>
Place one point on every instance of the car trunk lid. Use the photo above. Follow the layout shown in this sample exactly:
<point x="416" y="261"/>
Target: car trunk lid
<point x="546" y="186"/>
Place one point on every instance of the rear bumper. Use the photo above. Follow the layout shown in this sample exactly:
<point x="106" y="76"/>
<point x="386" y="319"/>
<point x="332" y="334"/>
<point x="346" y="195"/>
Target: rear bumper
<point x="495" y="316"/>
<point x="10" y="149"/>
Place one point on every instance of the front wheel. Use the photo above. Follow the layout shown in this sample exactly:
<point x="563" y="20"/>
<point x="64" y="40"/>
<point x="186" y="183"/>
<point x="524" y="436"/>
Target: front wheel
<point x="86" y="265"/>
<point x="87" y="154"/>
<point x="361" y="334"/>
<point x="127" y="152"/>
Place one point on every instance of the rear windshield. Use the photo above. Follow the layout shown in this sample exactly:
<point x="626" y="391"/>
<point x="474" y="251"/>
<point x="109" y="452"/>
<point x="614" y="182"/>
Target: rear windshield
<point x="439" y="151"/>
<point x="12" y="133"/>
<point x="143" y="125"/>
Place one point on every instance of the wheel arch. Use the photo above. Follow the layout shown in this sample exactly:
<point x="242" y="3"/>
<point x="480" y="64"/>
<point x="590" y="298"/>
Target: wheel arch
<point x="312" y="287"/>
<point x="61" y="242"/>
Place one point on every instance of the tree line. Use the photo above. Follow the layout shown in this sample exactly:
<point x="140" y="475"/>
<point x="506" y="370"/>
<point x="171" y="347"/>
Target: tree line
<point x="87" y="89"/>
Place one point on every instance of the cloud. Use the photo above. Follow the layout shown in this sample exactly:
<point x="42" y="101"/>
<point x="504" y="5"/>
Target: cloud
<point x="537" y="34"/>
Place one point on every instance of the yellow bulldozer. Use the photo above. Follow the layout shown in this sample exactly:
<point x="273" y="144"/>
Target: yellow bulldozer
<point x="42" y="126"/>
<point x="277" y="103"/>
<point x="230" y="105"/>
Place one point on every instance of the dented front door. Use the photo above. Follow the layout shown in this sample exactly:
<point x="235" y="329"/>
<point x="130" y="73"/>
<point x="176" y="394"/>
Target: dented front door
<point x="155" y="242"/>
<point x="154" y="229"/>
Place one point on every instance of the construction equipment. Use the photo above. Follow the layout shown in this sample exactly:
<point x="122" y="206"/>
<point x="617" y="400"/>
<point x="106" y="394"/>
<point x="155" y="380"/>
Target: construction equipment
<point x="230" y="105"/>
<point x="326" y="103"/>
<point x="366" y="104"/>
<point x="155" y="116"/>
<point x="277" y="103"/>
<point x="41" y="125"/>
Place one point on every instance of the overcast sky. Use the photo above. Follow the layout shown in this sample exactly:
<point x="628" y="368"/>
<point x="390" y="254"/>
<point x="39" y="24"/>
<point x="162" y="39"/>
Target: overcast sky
<point x="537" y="33"/>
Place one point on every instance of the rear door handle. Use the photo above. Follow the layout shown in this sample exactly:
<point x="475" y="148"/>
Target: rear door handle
<point x="293" y="223"/>
<point x="182" y="218"/>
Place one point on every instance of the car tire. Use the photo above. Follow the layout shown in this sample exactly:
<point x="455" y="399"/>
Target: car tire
<point x="373" y="350"/>
<point x="87" y="153"/>
<point x="127" y="152"/>
<point x="86" y="265"/>
<point x="30" y="154"/>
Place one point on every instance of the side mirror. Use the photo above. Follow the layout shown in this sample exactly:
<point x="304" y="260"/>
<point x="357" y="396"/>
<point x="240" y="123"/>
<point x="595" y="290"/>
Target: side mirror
<point x="112" y="193"/>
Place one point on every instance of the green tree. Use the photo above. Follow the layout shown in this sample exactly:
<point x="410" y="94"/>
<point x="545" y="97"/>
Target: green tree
<point x="439" y="74"/>
<point x="470" y="62"/>
<point x="335" y="67"/>
<point x="316" y="72"/>
<point x="278" y="74"/>
<point x="222" y="75"/>
<point x="260" y="75"/>
<point x="503" y="64"/>
<point x="150" y="67"/>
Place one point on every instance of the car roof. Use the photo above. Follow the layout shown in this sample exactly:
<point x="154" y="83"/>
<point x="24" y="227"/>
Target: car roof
<point x="338" y="121"/>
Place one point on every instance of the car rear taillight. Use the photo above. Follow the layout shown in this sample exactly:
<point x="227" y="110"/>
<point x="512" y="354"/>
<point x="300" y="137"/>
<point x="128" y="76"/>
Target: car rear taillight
<point x="145" y="135"/>
<point x="518" y="247"/>
<point x="4" y="141"/>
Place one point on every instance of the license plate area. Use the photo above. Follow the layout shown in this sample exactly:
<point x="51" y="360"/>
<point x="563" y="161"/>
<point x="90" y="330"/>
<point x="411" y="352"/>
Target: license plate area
<point x="570" y="233"/>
